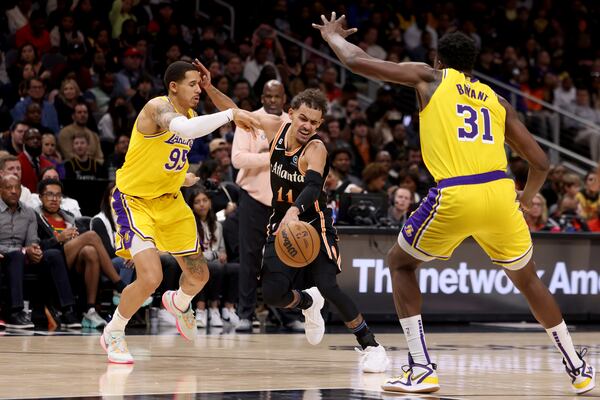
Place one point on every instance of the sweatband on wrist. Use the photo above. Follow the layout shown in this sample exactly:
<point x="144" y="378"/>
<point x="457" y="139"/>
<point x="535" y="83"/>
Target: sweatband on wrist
<point x="313" y="185"/>
<point x="203" y="125"/>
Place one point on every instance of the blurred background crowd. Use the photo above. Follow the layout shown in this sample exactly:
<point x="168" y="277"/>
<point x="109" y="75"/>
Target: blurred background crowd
<point x="74" y="74"/>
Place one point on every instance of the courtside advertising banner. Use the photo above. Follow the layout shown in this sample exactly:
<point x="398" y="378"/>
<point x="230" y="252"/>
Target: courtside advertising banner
<point x="468" y="287"/>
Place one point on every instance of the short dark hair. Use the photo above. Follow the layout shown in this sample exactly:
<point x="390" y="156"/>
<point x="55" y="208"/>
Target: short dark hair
<point x="338" y="151"/>
<point x="457" y="50"/>
<point x="312" y="98"/>
<point x="47" y="182"/>
<point x="14" y="125"/>
<point x="176" y="72"/>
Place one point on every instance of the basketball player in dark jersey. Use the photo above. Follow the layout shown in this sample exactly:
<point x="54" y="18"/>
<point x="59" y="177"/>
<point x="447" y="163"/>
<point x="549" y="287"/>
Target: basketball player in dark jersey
<point x="298" y="167"/>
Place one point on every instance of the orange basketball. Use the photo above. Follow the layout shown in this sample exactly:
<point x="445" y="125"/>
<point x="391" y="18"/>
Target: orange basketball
<point x="297" y="244"/>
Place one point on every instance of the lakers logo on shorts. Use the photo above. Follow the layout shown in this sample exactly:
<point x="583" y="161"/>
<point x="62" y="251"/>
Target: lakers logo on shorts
<point x="408" y="229"/>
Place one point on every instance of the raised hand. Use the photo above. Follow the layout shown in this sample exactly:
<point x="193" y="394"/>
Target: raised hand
<point x="205" y="81"/>
<point x="334" y="26"/>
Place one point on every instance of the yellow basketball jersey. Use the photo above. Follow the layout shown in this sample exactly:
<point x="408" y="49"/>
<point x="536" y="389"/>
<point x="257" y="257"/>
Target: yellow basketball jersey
<point x="462" y="128"/>
<point x="155" y="164"/>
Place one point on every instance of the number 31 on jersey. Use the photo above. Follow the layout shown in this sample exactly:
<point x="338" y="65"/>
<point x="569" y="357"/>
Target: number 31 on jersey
<point x="473" y="124"/>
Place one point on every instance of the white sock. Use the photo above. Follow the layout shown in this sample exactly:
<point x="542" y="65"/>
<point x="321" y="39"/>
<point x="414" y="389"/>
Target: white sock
<point x="562" y="340"/>
<point x="415" y="337"/>
<point x="117" y="323"/>
<point x="182" y="300"/>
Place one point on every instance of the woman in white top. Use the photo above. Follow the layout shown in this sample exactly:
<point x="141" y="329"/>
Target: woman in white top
<point x="223" y="280"/>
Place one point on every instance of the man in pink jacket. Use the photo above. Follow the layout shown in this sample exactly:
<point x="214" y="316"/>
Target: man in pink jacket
<point x="250" y="155"/>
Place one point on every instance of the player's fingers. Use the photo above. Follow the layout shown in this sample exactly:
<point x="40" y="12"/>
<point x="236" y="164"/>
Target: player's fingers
<point x="324" y="19"/>
<point x="333" y="16"/>
<point x="317" y="26"/>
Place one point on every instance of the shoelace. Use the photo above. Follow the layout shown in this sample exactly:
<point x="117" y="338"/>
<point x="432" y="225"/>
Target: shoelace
<point x="578" y="371"/>
<point x="118" y="344"/>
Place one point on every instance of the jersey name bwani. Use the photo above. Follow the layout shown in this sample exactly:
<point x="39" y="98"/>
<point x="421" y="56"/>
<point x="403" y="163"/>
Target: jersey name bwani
<point x="278" y="170"/>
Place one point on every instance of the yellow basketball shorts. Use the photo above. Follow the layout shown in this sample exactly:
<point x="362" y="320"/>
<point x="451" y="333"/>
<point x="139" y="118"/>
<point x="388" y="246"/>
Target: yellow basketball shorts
<point x="483" y="206"/>
<point x="167" y="221"/>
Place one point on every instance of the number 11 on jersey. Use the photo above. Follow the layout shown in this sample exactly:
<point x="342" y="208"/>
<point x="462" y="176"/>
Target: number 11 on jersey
<point x="288" y="196"/>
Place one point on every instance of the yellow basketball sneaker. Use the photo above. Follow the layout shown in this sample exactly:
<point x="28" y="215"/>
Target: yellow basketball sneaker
<point x="116" y="347"/>
<point x="583" y="379"/>
<point x="417" y="378"/>
<point x="185" y="321"/>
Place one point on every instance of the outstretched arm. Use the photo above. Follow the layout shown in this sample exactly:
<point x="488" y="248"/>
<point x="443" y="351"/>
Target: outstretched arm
<point x="407" y="73"/>
<point x="520" y="140"/>
<point x="163" y="114"/>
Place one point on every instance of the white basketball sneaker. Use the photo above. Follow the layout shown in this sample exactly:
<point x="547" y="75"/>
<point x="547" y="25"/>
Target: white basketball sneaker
<point x="583" y="379"/>
<point x="416" y="378"/>
<point x="314" y="325"/>
<point x="373" y="359"/>
<point x="116" y="347"/>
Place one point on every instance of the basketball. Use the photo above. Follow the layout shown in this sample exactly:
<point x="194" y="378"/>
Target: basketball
<point x="297" y="244"/>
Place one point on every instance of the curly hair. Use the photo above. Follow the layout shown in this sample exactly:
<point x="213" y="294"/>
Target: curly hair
<point x="457" y="50"/>
<point x="312" y="98"/>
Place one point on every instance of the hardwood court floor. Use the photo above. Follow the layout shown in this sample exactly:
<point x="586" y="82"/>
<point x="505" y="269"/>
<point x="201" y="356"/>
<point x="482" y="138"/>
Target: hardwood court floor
<point x="521" y="365"/>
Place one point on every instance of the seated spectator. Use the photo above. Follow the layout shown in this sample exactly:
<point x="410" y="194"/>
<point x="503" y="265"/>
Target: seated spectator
<point x="117" y="158"/>
<point x="81" y="166"/>
<point x="374" y="178"/>
<point x="364" y="151"/>
<point x="220" y="152"/>
<point x="68" y="97"/>
<point x="13" y="143"/>
<point x="588" y="196"/>
<point x="36" y="91"/>
<point x="401" y="204"/>
<point x="84" y="252"/>
<point x="553" y="188"/>
<point x="99" y="96"/>
<point x="35" y="32"/>
<point x="568" y="217"/>
<point x="49" y="150"/>
<point x="103" y="224"/>
<point x="33" y="118"/>
<point x="537" y="217"/>
<point x="571" y="185"/>
<point x="335" y="187"/>
<point x="65" y="136"/>
<point x="114" y="122"/>
<point x="66" y="203"/>
<point x="19" y="250"/>
<point x="66" y="33"/>
<point x="10" y="165"/>
<point x="341" y="162"/>
<point x="31" y="161"/>
<point x="224" y="276"/>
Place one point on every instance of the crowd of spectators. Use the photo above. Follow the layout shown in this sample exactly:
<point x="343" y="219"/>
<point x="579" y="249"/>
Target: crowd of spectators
<point x="74" y="74"/>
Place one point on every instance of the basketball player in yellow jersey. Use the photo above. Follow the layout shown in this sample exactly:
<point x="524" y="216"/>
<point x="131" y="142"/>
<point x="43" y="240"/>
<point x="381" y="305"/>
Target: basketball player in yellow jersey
<point x="464" y="126"/>
<point x="150" y="211"/>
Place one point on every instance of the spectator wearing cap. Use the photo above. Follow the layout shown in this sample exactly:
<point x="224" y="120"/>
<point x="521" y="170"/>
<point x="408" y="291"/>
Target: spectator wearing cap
<point x="31" y="162"/>
<point x="127" y="77"/>
<point x="121" y="11"/>
<point x="219" y="151"/>
<point x="35" y="32"/>
<point x="364" y="151"/>
<point x="36" y="91"/>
